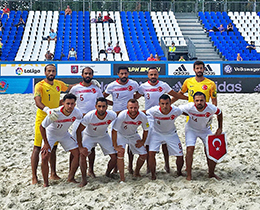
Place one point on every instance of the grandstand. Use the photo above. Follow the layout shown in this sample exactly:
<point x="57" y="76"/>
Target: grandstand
<point x="139" y="34"/>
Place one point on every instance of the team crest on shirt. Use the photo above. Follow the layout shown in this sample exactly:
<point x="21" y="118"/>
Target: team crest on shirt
<point x="207" y="114"/>
<point x="58" y="88"/>
<point x="160" y="89"/>
<point x="204" y="87"/>
<point x="93" y="90"/>
<point x="130" y="88"/>
<point x="172" y="117"/>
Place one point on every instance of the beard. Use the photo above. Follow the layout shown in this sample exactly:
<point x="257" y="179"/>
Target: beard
<point x="50" y="78"/>
<point x="87" y="79"/>
<point x="153" y="80"/>
<point x="199" y="74"/>
<point x="123" y="79"/>
<point x="101" y="113"/>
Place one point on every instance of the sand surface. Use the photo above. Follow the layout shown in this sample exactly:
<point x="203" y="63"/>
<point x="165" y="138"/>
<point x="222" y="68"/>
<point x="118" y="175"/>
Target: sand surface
<point x="240" y="170"/>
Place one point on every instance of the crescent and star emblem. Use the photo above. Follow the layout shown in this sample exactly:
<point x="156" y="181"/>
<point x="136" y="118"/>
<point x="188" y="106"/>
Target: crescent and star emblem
<point x="214" y="141"/>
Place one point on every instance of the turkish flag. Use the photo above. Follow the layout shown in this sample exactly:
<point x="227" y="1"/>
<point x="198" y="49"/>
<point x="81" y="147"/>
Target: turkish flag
<point x="216" y="147"/>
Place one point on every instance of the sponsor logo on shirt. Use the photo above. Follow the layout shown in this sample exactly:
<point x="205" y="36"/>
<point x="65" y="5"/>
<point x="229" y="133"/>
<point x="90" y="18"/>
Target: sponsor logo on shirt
<point x="172" y="117"/>
<point x="66" y="120"/>
<point x="130" y="88"/>
<point x="92" y="90"/>
<point x="159" y="89"/>
<point x="207" y="114"/>
<point x="132" y="122"/>
<point x="101" y="123"/>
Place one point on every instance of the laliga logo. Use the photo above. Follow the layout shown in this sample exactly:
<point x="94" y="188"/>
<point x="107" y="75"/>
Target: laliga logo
<point x="19" y="71"/>
<point x="228" y="69"/>
<point x="214" y="141"/>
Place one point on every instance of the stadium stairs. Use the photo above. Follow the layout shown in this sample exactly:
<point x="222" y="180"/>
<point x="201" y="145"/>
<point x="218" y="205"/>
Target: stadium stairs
<point x="191" y="27"/>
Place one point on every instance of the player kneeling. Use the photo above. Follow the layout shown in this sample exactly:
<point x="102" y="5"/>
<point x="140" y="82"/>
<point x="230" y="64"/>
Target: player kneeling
<point x="53" y="131"/>
<point x="124" y="131"/>
<point x="164" y="132"/>
<point x="96" y="123"/>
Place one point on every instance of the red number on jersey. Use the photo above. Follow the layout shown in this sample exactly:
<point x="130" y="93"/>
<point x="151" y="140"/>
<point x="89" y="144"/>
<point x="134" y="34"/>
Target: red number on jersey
<point x="148" y="96"/>
<point x="59" y="126"/>
<point x="117" y="95"/>
<point x="194" y="119"/>
<point x="81" y="97"/>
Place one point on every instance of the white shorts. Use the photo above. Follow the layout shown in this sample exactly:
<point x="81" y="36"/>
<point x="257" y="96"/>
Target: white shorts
<point x="104" y="142"/>
<point x="131" y="141"/>
<point x="67" y="141"/>
<point x="148" y="139"/>
<point x="171" y="140"/>
<point x="75" y="126"/>
<point x="192" y="135"/>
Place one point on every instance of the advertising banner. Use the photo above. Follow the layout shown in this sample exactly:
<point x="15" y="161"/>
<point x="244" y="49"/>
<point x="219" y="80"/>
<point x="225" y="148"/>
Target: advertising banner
<point x="13" y="85"/>
<point x="224" y="85"/>
<point x="140" y="68"/>
<point x="76" y="69"/>
<point x="186" y="69"/>
<point x="241" y="69"/>
<point x="22" y="70"/>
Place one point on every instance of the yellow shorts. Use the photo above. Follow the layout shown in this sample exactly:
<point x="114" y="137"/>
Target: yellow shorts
<point x="38" y="135"/>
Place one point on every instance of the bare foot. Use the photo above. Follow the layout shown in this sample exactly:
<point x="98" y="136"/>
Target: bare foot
<point x="167" y="169"/>
<point x="73" y="181"/>
<point x="34" y="180"/>
<point x="83" y="183"/>
<point x="136" y="174"/>
<point x="130" y="170"/>
<point x="188" y="178"/>
<point x="91" y="174"/>
<point x="153" y="177"/>
<point x="215" y="176"/>
<point x="45" y="185"/>
<point x="179" y="173"/>
<point x="54" y="177"/>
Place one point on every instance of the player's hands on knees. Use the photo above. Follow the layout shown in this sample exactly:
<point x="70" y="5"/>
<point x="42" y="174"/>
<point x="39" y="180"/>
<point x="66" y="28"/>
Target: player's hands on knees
<point x="218" y="131"/>
<point x="83" y="151"/>
<point x="51" y="113"/>
<point x="139" y="143"/>
<point x="119" y="149"/>
<point x="45" y="149"/>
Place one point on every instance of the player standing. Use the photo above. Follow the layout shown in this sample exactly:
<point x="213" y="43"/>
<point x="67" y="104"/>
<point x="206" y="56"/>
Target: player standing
<point x="46" y="96"/>
<point x="200" y="83"/>
<point x="87" y="94"/>
<point x="200" y="114"/>
<point x="124" y="131"/>
<point x="164" y="132"/>
<point x="96" y="123"/>
<point x="152" y="90"/>
<point x="122" y="89"/>
<point x="57" y="130"/>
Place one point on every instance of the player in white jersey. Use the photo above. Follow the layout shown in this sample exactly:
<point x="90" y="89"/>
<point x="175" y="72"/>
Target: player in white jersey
<point x="58" y="131"/>
<point x="95" y="125"/>
<point x="164" y="132"/>
<point x="87" y="94"/>
<point x="152" y="90"/>
<point x="200" y="116"/>
<point x="124" y="131"/>
<point x="122" y="89"/>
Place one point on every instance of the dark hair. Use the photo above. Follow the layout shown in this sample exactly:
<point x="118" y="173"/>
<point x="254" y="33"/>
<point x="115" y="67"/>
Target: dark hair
<point x="165" y="97"/>
<point x="122" y="68"/>
<point x="101" y="99"/>
<point x="152" y="67"/>
<point x="87" y="68"/>
<point x="199" y="94"/>
<point x="45" y="68"/>
<point x="196" y="63"/>
<point x="132" y="100"/>
<point x="69" y="96"/>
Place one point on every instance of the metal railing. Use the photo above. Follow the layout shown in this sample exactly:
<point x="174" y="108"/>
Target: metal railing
<point x="191" y="47"/>
<point x="176" y="6"/>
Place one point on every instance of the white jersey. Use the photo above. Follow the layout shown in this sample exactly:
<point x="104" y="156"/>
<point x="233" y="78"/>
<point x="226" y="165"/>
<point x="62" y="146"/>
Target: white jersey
<point x="86" y="96"/>
<point x="61" y="125"/>
<point x="164" y="123"/>
<point x="96" y="127"/>
<point x="199" y="120"/>
<point x="121" y="93"/>
<point x="127" y="126"/>
<point x="153" y="93"/>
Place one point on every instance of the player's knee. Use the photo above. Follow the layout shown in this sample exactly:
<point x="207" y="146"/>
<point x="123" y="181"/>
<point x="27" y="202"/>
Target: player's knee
<point x="45" y="159"/>
<point x="143" y="157"/>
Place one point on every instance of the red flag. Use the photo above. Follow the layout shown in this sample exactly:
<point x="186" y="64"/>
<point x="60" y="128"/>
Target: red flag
<point x="216" y="147"/>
